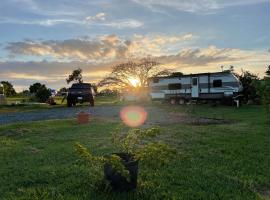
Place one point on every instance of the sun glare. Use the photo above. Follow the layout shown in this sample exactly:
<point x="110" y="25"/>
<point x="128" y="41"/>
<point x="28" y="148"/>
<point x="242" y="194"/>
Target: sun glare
<point x="134" y="82"/>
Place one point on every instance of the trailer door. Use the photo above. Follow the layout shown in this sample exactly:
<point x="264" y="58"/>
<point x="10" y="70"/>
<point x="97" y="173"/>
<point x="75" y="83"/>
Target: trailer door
<point x="195" y="87"/>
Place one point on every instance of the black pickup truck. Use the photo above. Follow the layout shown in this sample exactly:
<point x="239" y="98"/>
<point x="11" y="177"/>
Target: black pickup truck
<point x="80" y="93"/>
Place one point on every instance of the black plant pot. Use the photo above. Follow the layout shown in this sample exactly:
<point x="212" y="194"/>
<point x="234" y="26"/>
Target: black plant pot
<point x="119" y="182"/>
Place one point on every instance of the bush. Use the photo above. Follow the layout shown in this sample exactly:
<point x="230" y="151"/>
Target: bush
<point x="141" y="144"/>
<point x="43" y="94"/>
<point x="263" y="90"/>
<point x="249" y="82"/>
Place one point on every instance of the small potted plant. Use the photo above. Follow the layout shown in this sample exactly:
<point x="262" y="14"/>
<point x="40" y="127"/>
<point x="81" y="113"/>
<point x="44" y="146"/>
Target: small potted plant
<point x="121" y="169"/>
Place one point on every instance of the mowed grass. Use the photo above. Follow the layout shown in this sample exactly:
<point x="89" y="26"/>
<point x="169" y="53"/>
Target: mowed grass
<point x="229" y="161"/>
<point x="17" y="105"/>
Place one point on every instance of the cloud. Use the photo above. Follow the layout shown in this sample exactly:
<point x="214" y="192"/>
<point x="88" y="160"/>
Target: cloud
<point x="110" y="47"/>
<point x="156" y="44"/>
<point x="98" y="17"/>
<point x="206" y="56"/>
<point x="43" y="22"/>
<point x="124" y="23"/>
<point x="195" y="5"/>
<point x="97" y="20"/>
<point x="107" y="47"/>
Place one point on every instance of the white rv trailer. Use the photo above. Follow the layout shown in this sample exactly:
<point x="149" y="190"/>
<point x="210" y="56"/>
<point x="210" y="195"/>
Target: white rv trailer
<point x="205" y="86"/>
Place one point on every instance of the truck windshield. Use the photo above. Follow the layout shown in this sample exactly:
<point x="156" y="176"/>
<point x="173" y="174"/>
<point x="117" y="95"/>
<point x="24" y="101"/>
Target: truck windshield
<point x="81" y="86"/>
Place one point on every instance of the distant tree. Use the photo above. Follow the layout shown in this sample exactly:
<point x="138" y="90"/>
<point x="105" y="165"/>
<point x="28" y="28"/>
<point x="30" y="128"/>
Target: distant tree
<point x="42" y="93"/>
<point x="8" y="88"/>
<point x="25" y="92"/>
<point x="34" y="88"/>
<point x="268" y="71"/>
<point x="123" y="74"/>
<point x="1" y="88"/>
<point x="231" y="68"/>
<point x="95" y="87"/>
<point x="248" y="81"/>
<point x="62" y="90"/>
<point x="176" y="74"/>
<point x="266" y="89"/>
<point x="75" y="76"/>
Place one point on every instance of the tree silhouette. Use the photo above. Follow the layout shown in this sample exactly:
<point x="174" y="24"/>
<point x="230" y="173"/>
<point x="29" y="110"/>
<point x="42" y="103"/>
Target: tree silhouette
<point x="123" y="73"/>
<point x="75" y="76"/>
<point x="268" y="71"/>
<point x="8" y="88"/>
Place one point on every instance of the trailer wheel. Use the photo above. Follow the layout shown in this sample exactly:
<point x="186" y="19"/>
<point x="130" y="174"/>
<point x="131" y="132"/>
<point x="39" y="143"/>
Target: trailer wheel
<point x="172" y="101"/>
<point x="181" y="101"/>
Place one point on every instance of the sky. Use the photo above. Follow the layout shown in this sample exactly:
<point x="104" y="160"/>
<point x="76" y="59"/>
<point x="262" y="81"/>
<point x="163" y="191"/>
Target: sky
<point x="43" y="41"/>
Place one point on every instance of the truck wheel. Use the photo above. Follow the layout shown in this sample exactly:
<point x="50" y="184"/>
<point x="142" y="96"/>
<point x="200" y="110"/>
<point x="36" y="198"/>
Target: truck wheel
<point x="181" y="101"/>
<point x="69" y="103"/>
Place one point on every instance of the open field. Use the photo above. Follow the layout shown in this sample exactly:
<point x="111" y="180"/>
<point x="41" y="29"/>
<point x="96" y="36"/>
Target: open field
<point x="214" y="161"/>
<point x="23" y="104"/>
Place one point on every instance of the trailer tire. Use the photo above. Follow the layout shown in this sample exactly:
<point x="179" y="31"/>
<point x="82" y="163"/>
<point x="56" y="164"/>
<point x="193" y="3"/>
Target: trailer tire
<point x="181" y="101"/>
<point x="172" y="101"/>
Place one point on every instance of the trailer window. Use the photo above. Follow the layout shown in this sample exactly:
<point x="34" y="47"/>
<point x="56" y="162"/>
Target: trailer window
<point x="217" y="83"/>
<point x="194" y="81"/>
<point x="175" y="86"/>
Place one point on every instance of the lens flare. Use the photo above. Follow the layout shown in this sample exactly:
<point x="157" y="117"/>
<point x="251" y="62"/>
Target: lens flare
<point x="133" y="116"/>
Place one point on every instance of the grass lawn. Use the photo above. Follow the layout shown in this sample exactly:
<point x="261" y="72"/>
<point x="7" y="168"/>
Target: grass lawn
<point x="24" y="107"/>
<point x="230" y="161"/>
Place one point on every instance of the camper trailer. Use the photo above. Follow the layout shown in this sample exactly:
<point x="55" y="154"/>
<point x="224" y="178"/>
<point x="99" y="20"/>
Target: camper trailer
<point x="205" y="86"/>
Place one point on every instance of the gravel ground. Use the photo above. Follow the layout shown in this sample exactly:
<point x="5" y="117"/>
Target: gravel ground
<point x="156" y="115"/>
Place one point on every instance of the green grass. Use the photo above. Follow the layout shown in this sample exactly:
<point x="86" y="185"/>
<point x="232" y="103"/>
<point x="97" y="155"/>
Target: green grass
<point x="13" y="105"/>
<point x="230" y="161"/>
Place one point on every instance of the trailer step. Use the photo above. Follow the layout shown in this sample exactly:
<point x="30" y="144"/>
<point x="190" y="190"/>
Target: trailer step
<point x="193" y="101"/>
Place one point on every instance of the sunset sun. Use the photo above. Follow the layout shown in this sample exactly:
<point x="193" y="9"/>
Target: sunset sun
<point x="134" y="82"/>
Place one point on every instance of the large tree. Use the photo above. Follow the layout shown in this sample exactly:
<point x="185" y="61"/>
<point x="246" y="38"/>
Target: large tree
<point x="75" y="76"/>
<point x="8" y="88"/>
<point x="123" y="75"/>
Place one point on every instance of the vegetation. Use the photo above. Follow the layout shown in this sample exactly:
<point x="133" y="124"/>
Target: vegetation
<point x="268" y="71"/>
<point x="41" y="92"/>
<point x="133" y="74"/>
<point x="136" y="144"/>
<point x="263" y="89"/>
<point x="227" y="161"/>
<point x="75" y="76"/>
<point x="248" y="80"/>
<point x="7" y="89"/>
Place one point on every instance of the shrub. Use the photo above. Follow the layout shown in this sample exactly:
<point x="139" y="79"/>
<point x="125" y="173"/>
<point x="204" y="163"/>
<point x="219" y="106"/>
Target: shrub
<point x="43" y="94"/>
<point x="138" y="143"/>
